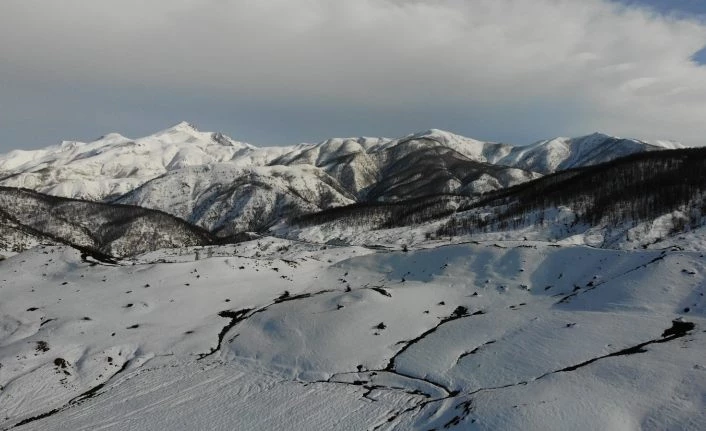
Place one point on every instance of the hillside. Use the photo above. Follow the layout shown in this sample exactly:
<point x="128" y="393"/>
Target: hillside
<point x="28" y="217"/>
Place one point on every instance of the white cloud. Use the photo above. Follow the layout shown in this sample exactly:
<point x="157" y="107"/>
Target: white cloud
<point x="622" y="70"/>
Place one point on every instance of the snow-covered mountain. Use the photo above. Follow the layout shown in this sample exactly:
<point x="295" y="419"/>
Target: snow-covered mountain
<point x="113" y="164"/>
<point x="227" y="199"/>
<point x="228" y="186"/>
<point x="631" y="202"/>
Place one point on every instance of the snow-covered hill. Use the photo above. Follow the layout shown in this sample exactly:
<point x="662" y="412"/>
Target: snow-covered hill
<point x="273" y="334"/>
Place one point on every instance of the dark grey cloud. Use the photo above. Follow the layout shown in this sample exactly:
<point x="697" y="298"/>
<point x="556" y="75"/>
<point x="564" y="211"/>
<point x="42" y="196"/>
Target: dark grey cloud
<point x="301" y="70"/>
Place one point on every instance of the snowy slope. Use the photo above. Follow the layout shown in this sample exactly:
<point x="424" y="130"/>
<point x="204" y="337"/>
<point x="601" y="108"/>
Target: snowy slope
<point x="412" y="329"/>
<point x="645" y="200"/>
<point x="14" y="238"/>
<point x="226" y="199"/>
<point x="114" y="165"/>
<point x="480" y="151"/>
<point x="243" y="195"/>
<point x="362" y="164"/>
<point x="273" y="334"/>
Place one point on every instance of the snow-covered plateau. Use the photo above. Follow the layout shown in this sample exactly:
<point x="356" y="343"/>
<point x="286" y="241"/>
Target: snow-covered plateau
<point x="276" y="334"/>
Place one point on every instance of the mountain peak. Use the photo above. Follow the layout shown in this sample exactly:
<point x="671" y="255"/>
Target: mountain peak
<point x="594" y="137"/>
<point x="433" y="133"/>
<point x="112" y="138"/>
<point x="182" y="126"/>
<point x="600" y="135"/>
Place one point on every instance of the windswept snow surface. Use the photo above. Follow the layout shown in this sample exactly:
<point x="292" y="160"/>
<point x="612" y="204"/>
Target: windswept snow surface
<point x="276" y="334"/>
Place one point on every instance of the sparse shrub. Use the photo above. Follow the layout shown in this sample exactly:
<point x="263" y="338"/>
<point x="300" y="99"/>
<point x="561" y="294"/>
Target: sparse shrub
<point x="61" y="363"/>
<point x="460" y="311"/>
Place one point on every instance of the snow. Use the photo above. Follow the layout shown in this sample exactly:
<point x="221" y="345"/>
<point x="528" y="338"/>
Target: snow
<point x="669" y="145"/>
<point x="226" y="198"/>
<point x="496" y="335"/>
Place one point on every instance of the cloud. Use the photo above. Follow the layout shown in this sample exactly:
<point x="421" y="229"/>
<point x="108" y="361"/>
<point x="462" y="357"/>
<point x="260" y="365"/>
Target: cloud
<point x="591" y="64"/>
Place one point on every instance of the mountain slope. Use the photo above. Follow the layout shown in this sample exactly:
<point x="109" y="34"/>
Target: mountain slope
<point x="629" y="202"/>
<point x="435" y="170"/>
<point x="112" y="230"/>
<point x="16" y="238"/>
<point x="225" y="199"/>
<point x="230" y="197"/>
<point x="616" y="195"/>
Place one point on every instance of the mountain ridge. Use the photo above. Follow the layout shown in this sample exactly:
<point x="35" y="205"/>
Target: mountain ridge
<point x="228" y="187"/>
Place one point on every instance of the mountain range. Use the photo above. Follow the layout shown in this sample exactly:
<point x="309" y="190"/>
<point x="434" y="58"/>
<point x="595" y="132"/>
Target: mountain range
<point x="229" y="187"/>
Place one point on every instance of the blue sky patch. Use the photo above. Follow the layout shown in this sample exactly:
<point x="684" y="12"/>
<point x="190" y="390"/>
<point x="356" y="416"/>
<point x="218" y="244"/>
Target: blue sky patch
<point x="688" y="7"/>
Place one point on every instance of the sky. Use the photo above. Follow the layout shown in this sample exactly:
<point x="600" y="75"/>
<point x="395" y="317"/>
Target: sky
<point x="280" y="72"/>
